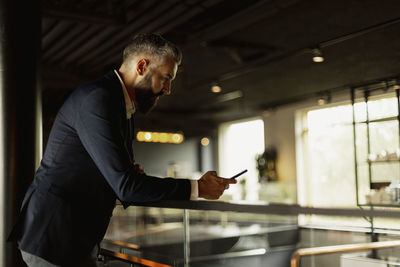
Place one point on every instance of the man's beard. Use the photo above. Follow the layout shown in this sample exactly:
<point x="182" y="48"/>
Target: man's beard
<point x="146" y="100"/>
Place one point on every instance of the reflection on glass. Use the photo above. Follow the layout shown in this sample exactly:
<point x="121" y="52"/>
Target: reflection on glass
<point x="217" y="238"/>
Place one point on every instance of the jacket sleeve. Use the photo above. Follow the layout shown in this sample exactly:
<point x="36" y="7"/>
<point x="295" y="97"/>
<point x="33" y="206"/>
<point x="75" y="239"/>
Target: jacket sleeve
<point x="98" y="127"/>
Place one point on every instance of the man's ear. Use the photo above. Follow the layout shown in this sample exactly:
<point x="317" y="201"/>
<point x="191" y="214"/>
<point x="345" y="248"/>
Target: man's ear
<point x="141" y="66"/>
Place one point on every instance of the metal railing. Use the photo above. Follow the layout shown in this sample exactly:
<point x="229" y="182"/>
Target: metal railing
<point x="277" y="209"/>
<point x="122" y="244"/>
<point x="295" y="260"/>
<point x="129" y="259"/>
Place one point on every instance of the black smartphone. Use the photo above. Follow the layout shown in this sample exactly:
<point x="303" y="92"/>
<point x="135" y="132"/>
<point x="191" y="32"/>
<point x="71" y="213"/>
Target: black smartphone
<point x="237" y="175"/>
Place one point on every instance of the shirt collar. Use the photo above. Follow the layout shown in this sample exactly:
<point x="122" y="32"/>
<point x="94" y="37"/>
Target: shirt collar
<point x="130" y="106"/>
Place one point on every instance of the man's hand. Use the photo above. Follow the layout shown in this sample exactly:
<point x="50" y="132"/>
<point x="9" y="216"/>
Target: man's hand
<point x="139" y="168"/>
<point x="212" y="186"/>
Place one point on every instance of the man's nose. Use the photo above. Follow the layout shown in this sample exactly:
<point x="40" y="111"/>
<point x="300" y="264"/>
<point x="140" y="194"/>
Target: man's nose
<point x="167" y="88"/>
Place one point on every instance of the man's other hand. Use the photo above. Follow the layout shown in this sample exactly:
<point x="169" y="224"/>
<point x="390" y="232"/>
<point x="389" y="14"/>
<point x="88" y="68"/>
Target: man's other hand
<point x="212" y="186"/>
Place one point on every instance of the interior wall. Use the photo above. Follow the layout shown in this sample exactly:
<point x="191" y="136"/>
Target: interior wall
<point x="280" y="132"/>
<point x="158" y="158"/>
<point x="207" y="155"/>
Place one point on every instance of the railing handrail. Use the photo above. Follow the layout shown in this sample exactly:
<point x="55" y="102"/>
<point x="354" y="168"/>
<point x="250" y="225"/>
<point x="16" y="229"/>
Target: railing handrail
<point x="276" y="209"/>
<point x="295" y="260"/>
<point x="131" y="259"/>
<point x="122" y="244"/>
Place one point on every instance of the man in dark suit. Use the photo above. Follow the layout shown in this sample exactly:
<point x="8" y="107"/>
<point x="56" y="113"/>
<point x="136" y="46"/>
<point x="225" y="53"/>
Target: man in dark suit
<point x="88" y="163"/>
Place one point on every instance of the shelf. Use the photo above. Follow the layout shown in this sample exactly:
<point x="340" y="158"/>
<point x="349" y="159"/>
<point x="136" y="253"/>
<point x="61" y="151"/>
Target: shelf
<point x="395" y="118"/>
<point x="383" y="161"/>
<point x="381" y="205"/>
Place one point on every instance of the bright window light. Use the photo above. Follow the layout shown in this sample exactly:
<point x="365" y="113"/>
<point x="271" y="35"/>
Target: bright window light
<point x="239" y="143"/>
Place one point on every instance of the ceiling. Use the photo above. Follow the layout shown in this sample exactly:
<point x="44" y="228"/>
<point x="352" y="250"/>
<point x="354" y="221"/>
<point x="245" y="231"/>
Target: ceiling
<point x="258" y="51"/>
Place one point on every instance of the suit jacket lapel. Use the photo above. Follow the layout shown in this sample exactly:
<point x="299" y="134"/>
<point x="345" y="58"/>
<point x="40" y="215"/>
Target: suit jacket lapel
<point x="126" y="125"/>
<point x="130" y="137"/>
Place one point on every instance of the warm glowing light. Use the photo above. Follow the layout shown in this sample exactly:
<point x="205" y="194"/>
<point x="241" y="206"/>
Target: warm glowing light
<point x="318" y="59"/>
<point x="157" y="137"/>
<point x="216" y="89"/>
<point x="177" y="138"/>
<point x="147" y="136"/>
<point x="140" y="136"/>
<point x="321" y="101"/>
<point x="317" y="55"/>
<point x="396" y="87"/>
<point x="205" y="141"/>
<point x="163" y="138"/>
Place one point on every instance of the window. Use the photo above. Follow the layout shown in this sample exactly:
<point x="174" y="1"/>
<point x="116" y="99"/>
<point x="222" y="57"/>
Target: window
<point x="328" y="134"/>
<point x="326" y="177"/>
<point x="239" y="143"/>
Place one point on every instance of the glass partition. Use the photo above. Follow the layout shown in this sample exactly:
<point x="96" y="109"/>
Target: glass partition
<point x="149" y="233"/>
<point x="213" y="233"/>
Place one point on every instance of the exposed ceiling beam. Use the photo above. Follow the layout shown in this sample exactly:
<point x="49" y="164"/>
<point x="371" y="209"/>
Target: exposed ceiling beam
<point x="361" y="32"/>
<point x="163" y="23"/>
<point x="85" y="17"/>
<point x="239" y="45"/>
<point x="49" y="29"/>
<point x="69" y="36"/>
<point x="76" y="45"/>
<point x="154" y="14"/>
<point x="261" y="62"/>
<point x="241" y="20"/>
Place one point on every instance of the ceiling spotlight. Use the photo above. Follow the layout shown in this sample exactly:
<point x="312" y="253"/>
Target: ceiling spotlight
<point x="324" y="99"/>
<point x="396" y="85"/>
<point x="216" y="89"/>
<point x="321" y="101"/>
<point x="317" y="55"/>
<point x="267" y="112"/>
<point x="205" y="141"/>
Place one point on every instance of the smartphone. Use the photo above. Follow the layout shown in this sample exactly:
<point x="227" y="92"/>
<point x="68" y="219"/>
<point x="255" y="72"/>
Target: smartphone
<point x="237" y="175"/>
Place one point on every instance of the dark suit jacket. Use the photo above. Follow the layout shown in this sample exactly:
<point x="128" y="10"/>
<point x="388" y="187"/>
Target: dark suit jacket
<point x="87" y="165"/>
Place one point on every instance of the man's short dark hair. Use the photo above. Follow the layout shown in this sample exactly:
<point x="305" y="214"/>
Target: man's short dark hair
<point x="153" y="44"/>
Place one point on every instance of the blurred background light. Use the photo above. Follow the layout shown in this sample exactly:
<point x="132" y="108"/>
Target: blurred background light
<point x="159" y="137"/>
<point x="205" y="141"/>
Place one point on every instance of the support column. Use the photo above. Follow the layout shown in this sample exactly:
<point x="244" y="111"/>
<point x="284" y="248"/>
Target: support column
<point x="20" y="112"/>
